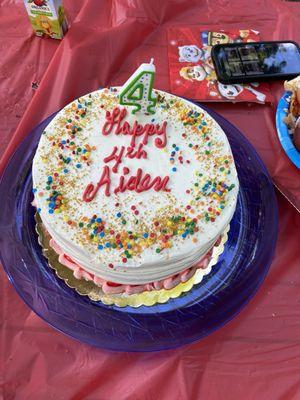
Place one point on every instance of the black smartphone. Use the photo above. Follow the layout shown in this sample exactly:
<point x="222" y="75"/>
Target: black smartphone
<point x="250" y="62"/>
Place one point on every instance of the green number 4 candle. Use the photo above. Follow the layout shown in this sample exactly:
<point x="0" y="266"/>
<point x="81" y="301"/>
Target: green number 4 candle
<point x="138" y="90"/>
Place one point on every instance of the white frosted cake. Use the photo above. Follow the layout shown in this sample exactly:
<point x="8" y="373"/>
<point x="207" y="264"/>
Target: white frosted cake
<point x="134" y="202"/>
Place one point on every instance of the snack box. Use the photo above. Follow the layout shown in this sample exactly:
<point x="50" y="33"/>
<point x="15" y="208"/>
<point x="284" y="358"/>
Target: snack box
<point x="47" y="17"/>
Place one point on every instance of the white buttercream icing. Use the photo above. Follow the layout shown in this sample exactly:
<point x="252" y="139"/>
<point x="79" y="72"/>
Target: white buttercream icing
<point x="202" y="181"/>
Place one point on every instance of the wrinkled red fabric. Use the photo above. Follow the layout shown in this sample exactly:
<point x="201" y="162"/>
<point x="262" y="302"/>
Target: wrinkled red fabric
<point x="256" y="356"/>
<point x="109" y="39"/>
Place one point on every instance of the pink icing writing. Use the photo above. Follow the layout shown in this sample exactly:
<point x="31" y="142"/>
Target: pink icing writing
<point x="115" y="124"/>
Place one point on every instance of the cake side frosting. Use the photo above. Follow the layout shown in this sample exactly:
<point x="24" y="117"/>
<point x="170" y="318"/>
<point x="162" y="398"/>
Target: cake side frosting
<point x="134" y="198"/>
<point x="113" y="287"/>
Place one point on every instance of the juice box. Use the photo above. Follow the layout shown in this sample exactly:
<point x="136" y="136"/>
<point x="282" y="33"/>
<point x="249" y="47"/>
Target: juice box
<point x="47" y="17"/>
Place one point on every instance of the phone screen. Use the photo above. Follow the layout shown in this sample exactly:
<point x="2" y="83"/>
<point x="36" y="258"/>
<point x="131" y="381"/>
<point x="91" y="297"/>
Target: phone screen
<point x="260" y="59"/>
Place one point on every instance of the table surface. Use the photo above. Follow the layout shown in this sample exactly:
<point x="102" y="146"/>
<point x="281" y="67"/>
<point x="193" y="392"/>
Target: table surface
<point x="254" y="356"/>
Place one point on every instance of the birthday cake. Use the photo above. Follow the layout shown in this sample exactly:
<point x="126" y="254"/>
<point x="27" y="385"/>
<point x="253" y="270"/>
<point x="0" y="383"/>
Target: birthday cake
<point x="134" y="201"/>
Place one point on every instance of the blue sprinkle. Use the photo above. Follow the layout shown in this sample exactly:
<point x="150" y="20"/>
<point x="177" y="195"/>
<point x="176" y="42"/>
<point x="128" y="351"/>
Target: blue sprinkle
<point x="93" y="220"/>
<point x="213" y="189"/>
<point x="119" y="215"/>
<point x="145" y="235"/>
<point x="129" y="246"/>
<point x="34" y="190"/>
<point x="84" y="151"/>
<point x="95" y="230"/>
<point x="100" y="247"/>
<point x="99" y="220"/>
<point x="176" y="148"/>
<point x="173" y="153"/>
<point x="78" y="165"/>
<point x="102" y="234"/>
<point x="39" y="210"/>
<point x="174" y="169"/>
<point x="63" y="142"/>
<point x="51" y="205"/>
<point x="49" y="178"/>
<point x="172" y="159"/>
<point x="66" y="170"/>
<point x="107" y="245"/>
<point x="51" y="211"/>
<point x="68" y="159"/>
<point x="184" y="235"/>
<point x="79" y="106"/>
<point x="120" y="245"/>
<point x="222" y="207"/>
<point x="152" y="120"/>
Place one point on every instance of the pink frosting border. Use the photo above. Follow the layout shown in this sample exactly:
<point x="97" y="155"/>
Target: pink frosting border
<point x="117" y="288"/>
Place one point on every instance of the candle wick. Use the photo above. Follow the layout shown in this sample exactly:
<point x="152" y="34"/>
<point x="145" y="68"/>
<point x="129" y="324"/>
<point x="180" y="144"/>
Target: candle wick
<point x="152" y="61"/>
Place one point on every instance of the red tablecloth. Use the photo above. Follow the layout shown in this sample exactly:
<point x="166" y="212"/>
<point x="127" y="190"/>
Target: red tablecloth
<point x="256" y="356"/>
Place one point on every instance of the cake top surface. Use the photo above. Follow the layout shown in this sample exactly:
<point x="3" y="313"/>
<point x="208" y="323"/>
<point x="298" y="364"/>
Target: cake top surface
<point x="119" y="191"/>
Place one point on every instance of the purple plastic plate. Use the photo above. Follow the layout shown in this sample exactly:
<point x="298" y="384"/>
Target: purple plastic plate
<point x="208" y="306"/>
